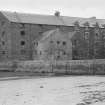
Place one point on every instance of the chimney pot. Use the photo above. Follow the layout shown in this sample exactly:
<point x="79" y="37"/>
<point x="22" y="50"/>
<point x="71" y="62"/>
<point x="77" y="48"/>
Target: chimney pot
<point x="57" y="13"/>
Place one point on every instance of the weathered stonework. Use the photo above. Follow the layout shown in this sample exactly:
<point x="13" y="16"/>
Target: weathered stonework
<point x="5" y="39"/>
<point x="19" y="35"/>
<point x="55" y="45"/>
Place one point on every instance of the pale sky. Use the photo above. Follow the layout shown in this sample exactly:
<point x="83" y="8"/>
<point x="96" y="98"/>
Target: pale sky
<point x="76" y="8"/>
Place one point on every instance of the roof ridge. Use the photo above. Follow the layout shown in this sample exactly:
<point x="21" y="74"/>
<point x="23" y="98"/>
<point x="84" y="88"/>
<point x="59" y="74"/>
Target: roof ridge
<point x="31" y="18"/>
<point x="46" y="14"/>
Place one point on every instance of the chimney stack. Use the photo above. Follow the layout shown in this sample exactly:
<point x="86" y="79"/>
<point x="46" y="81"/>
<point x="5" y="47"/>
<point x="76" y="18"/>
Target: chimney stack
<point x="57" y="13"/>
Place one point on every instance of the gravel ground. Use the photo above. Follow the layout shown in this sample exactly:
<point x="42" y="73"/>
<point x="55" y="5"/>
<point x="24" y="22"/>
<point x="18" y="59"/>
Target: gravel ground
<point x="71" y="90"/>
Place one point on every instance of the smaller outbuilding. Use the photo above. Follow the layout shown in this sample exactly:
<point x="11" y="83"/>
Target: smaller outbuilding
<point x="55" y="45"/>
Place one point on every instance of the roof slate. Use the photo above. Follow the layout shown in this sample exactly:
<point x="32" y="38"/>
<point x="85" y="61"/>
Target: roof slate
<point x="49" y="19"/>
<point x="56" y="31"/>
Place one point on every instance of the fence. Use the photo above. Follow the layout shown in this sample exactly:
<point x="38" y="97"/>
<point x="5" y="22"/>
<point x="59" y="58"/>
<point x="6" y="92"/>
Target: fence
<point x="66" y="67"/>
<point x="58" y="67"/>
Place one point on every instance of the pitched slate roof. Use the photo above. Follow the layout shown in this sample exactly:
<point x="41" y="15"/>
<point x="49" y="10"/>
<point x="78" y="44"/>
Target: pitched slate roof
<point x="49" y="19"/>
<point x="56" y="31"/>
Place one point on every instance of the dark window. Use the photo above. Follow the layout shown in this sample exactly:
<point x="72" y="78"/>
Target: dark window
<point x="36" y="43"/>
<point x="22" y="43"/>
<point x="3" y="33"/>
<point x="22" y="33"/>
<point x="97" y="36"/>
<point x="75" y="42"/>
<point x="40" y="53"/>
<point x="58" y="42"/>
<point x="86" y="35"/>
<point x="95" y="51"/>
<point x="3" y="52"/>
<point x="3" y="43"/>
<point x="64" y="43"/>
<point x="64" y="53"/>
<point x="58" y="57"/>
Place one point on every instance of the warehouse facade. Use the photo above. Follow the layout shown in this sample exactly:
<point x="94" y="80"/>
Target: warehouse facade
<point x="55" y="45"/>
<point x="20" y="32"/>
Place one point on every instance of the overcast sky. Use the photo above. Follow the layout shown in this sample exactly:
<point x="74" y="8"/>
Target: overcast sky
<point x="77" y="8"/>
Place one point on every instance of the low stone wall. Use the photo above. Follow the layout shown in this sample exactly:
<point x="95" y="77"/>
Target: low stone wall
<point x="6" y="66"/>
<point x="33" y="66"/>
<point x="57" y="67"/>
<point x="68" y="67"/>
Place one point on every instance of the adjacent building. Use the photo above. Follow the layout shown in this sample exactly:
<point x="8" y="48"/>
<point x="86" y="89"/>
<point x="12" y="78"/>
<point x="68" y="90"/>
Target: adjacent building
<point x="55" y="45"/>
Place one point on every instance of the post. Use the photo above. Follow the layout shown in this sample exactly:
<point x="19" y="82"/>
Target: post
<point x="67" y="67"/>
<point x="51" y="64"/>
<point x="94" y="67"/>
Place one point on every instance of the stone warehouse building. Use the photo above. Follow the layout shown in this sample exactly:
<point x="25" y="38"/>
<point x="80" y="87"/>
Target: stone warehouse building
<point x="21" y="32"/>
<point x="55" y="45"/>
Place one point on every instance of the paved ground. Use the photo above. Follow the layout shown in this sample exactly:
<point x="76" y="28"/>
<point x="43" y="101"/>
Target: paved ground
<point x="15" y="74"/>
<point x="73" y="90"/>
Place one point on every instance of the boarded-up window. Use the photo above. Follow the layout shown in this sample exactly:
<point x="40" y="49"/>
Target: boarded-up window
<point x="23" y="51"/>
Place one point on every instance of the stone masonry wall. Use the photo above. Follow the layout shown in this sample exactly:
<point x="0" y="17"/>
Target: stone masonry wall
<point x="5" y="39"/>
